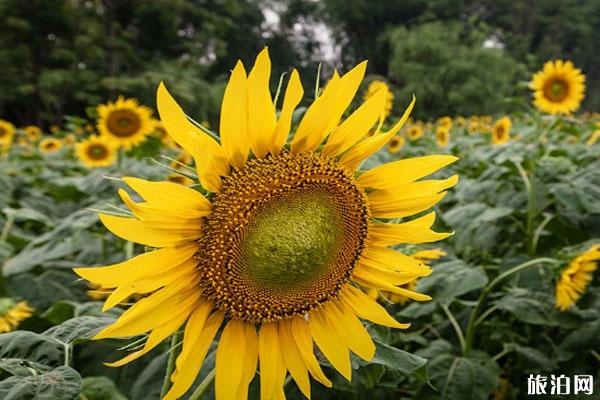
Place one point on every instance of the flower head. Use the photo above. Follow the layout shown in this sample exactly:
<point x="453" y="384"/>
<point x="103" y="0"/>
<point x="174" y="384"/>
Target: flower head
<point x="7" y="131"/>
<point x="34" y="133"/>
<point x="376" y="86"/>
<point x="558" y="88"/>
<point x="396" y="144"/>
<point x="414" y="132"/>
<point x="125" y="122"/>
<point x="50" y="145"/>
<point x="13" y="313"/>
<point x="442" y="136"/>
<point x="574" y="280"/>
<point x="96" y="152"/>
<point x="279" y="251"/>
<point x="501" y="130"/>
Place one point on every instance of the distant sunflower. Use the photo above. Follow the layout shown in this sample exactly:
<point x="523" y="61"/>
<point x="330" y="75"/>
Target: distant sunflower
<point x="69" y="140"/>
<point x="501" y="130"/>
<point x="34" y="133"/>
<point x="50" y="145"/>
<point x="559" y="88"/>
<point x="7" y="131"/>
<point x="13" y="313"/>
<point x="373" y="88"/>
<point x="96" y="152"/>
<point x="414" y="132"/>
<point x="445" y="122"/>
<point x="125" y="122"/>
<point x="442" y="136"/>
<point x="277" y="254"/>
<point x="574" y="280"/>
<point x="395" y="144"/>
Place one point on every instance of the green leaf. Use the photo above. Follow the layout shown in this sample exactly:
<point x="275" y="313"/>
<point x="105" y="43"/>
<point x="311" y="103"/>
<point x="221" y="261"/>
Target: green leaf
<point x="21" y="367"/>
<point x="78" y="329"/>
<point x="59" y="312"/>
<point x="100" y="388"/>
<point x="62" y="383"/>
<point x="452" y="279"/>
<point x="400" y="361"/>
<point x="27" y="214"/>
<point x="32" y="346"/>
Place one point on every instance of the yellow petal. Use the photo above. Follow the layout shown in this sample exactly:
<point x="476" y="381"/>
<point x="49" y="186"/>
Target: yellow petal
<point x="145" y="265"/>
<point x="270" y="357"/>
<point x="249" y="361"/>
<point x="413" y="232"/>
<point x="335" y="350"/>
<point x="210" y="159"/>
<point x="197" y="338"/>
<point x="150" y="233"/>
<point x="349" y="330"/>
<point x="293" y="95"/>
<point x="367" y="308"/>
<point x="234" y="118"/>
<point x="383" y="257"/>
<point x="165" y="212"/>
<point x="229" y="361"/>
<point x="366" y="278"/>
<point x="302" y="336"/>
<point x="169" y="193"/>
<point x="387" y="275"/>
<point x="392" y="174"/>
<point x="353" y="157"/>
<point x="294" y="361"/>
<point x="325" y="113"/>
<point x="261" y="111"/>
<point x="356" y="126"/>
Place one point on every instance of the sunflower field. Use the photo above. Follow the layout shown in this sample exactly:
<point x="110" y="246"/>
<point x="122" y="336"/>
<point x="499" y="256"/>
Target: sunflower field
<point x="327" y="240"/>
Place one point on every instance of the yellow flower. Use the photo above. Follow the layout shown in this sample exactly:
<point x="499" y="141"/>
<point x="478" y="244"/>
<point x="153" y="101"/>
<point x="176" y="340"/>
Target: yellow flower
<point x="33" y="132"/>
<point x="278" y="251"/>
<point x="395" y="144"/>
<point x="559" y="88"/>
<point x="7" y="131"/>
<point x="69" y="140"/>
<point x="376" y="86"/>
<point x="501" y="130"/>
<point x="50" y="145"/>
<point x="460" y="121"/>
<point x="575" y="278"/>
<point x="593" y="138"/>
<point x="96" y="152"/>
<point x="414" y="132"/>
<point x="445" y="122"/>
<point x="125" y="122"/>
<point x="13" y="313"/>
<point x="54" y="129"/>
<point x="442" y="136"/>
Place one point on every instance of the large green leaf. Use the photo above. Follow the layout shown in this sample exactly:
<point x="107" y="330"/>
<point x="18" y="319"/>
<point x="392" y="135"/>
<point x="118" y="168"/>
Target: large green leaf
<point x="452" y="279"/>
<point x="399" y="360"/>
<point x="62" y="383"/>
<point x="33" y="347"/>
<point x="78" y="329"/>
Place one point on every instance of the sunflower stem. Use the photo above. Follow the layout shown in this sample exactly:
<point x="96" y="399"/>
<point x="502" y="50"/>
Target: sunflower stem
<point x="530" y="208"/>
<point x="175" y="349"/>
<point x="455" y="325"/>
<point x="203" y="386"/>
<point x="488" y="289"/>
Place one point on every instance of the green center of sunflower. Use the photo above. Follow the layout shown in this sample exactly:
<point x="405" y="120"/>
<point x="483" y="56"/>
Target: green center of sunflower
<point x="123" y="123"/>
<point x="97" y="151"/>
<point x="556" y="90"/>
<point x="283" y="237"/>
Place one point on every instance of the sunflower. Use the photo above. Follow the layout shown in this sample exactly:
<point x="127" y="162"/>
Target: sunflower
<point x="33" y="132"/>
<point x="279" y="250"/>
<point x="501" y="130"/>
<point x="395" y="144"/>
<point x="125" y="122"/>
<point x="50" y="145"/>
<point x="573" y="281"/>
<point x="442" y="136"/>
<point x="559" y="88"/>
<point x="445" y="122"/>
<point x="96" y="152"/>
<point x="376" y="86"/>
<point x="13" y="313"/>
<point x="414" y="131"/>
<point x="69" y="140"/>
<point x="7" y="131"/>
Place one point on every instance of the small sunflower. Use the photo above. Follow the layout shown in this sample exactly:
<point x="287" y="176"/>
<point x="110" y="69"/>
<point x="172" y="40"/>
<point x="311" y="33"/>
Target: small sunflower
<point x="558" y="88"/>
<point x="574" y="280"/>
<point x="395" y="144"/>
<point x="376" y="86"/>
<point x="125" y="122"/>
<point x="414" y="131"/>
<point x="7" y="131"/>
<point x="13" y="313"/>
<point x="96" y="152"/>
<point x="442" y="136"/>
<point x="279" y="251"/>
<point x="50" y="145"/>
<point x="445" y="122"/>
<point x="34" y="133"/>
<point x="501" y="130"/>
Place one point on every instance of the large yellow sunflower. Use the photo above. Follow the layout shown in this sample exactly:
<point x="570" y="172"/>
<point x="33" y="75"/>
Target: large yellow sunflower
<point x="559" y="88"/>
<point x="376" y="86"/>
<point x="7" y="131"/>
<point x="279" y="250"/>
<point x="501" y="130"/>
<point x="574" y="280"/>
<point x="125" y="122"/>
<point x="50" y="145"/>
<point x="13" y="313"/>
<point x="96" y="152"/>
